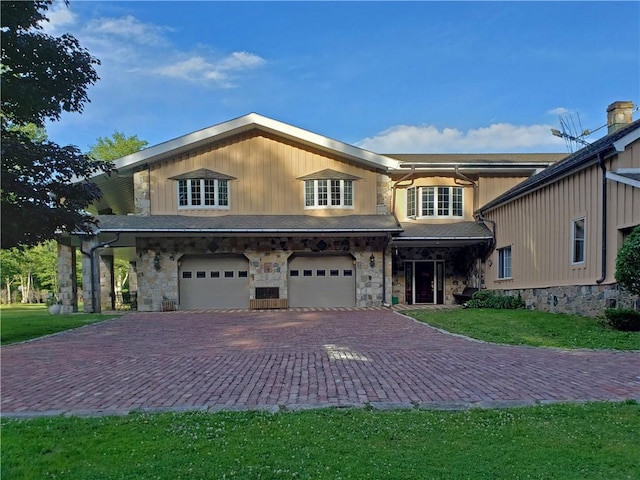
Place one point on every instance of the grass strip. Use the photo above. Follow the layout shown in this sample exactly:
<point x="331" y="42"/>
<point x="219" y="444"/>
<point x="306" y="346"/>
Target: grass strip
<point x="24" y="322"/>
<point x="597" y="440"/>
<point x="525" y="327"/>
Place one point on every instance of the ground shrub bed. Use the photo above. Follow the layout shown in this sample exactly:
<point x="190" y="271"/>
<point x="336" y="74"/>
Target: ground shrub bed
<point x="623" y="319"/>
<point x="598" y="440"/>
<point x="525" y="327"/>
<point x="24" y="322"/>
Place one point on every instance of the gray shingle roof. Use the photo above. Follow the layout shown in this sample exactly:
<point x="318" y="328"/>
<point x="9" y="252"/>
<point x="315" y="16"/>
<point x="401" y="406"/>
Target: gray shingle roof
<point x="444" y="231"/>
<point x="574" y="162"/>
<point x="226" y="224"/>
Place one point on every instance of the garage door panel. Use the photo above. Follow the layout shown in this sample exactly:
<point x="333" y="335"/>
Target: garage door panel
<point x="326" y="281"/>
<point x="214" y="282"/>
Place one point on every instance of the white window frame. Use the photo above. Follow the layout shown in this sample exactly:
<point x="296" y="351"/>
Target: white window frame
<point x="412" y="197"/>
<point x="418" y="194"/>
<point x="502" y="271"/>
<point x="326" y="187"/>
<point x="216" y="196"/>
<point x="574" y="240"/>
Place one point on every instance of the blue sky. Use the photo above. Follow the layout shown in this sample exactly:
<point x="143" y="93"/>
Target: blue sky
<point x="392" y="77"/>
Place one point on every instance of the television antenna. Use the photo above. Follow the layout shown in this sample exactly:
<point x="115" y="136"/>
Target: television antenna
<point x="572" y="132"/>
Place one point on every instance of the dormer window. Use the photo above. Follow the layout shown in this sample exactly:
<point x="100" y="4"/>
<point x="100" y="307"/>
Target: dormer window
<point x="328" y="189"/>
<point x="203" y="189"/>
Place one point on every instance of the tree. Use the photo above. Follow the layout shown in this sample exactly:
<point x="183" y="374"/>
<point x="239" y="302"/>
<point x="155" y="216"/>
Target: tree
<point x="10" y="261"/>
<point x="119" y="145"/>
<point x="628" y="263"/>
<point x="45" y="187"/>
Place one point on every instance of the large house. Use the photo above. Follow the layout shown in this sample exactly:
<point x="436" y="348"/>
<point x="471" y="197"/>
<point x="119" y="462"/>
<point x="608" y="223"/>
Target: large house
<point x="256" y="213"/>
<point x="558" y="233"/>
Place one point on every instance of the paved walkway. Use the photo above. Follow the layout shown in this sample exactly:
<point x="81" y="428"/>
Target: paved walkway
<point x="293" y="360"/>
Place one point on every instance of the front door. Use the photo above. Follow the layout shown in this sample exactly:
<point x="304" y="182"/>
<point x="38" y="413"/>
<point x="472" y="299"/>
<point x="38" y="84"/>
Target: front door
<point x="424" y="282"/>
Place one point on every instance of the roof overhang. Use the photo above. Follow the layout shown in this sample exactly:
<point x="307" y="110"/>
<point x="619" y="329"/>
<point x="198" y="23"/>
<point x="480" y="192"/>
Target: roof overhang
<point x="628" y="176"/>
<point x="458" y="234"/>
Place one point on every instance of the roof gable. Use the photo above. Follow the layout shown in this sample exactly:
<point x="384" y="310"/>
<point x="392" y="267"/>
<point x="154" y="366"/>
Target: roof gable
<point x="203" y="173"/>
<point x="247" y="123"/>
<point x="329" y="174"/>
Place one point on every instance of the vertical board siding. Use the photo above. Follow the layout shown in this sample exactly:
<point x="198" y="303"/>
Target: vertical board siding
<point x="538" y="227"/>
<point x="491" y="187"/>
<point x="266" y="171"/>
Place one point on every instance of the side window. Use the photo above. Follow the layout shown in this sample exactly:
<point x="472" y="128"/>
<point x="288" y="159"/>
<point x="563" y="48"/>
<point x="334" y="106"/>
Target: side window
<point x="504" y="262"/>
<point x="578" y="241"/>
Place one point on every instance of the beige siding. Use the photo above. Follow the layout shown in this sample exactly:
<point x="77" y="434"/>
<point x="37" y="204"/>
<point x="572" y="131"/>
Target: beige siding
<point x="266" y="171"/>
<point x="538" y="227"/>
<point x="624" y="201"/>
<point x="491" y="187"/>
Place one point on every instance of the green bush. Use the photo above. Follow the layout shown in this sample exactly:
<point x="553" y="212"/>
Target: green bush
<point x="628" y="262"/>
<point x="623" y="319"/>
<point x="488" y="299"/>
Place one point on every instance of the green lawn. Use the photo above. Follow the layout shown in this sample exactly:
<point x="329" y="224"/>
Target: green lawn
<point x="596" y="441"/>
<point x="23" y="322"/>
<point x="525" y="327"/>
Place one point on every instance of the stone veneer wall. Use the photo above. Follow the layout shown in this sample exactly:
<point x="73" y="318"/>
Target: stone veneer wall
<point x="585" y="300"/>
<point x="67" y="285"/>
<point x="142" y="192"/>
<point x="158" y="261"/>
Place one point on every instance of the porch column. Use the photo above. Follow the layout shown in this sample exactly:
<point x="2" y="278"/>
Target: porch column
<point x="67" y="286"/>
<point x="90" y="277"/>
<point x="107" y="296"/>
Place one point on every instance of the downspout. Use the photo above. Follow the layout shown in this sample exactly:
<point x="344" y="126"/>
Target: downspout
<point x="95" y="280"/>
<point x="603" y="167"/>
<point x="384" y="270"/>
<point x="489" y="249"/>
<point x="472" y="182"/>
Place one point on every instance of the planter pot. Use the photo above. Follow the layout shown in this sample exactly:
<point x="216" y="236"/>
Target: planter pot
<point x="55" y="309"/>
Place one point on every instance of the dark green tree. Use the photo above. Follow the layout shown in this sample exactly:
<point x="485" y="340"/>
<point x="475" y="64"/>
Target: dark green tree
<point x="628" y="262"/>
<point x="45" y="186"/>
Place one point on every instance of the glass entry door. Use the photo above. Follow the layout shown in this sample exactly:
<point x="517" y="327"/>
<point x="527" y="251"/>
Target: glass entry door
<point x="424" y="282"/>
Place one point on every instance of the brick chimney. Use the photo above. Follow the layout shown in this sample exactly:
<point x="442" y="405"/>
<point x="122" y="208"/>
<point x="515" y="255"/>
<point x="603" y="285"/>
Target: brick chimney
<point x="619" y="114"/>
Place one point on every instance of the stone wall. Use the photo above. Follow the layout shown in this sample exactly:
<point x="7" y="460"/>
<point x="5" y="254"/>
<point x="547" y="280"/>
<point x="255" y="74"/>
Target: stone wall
<point x="67" y="284"/>
<point x="585" y="300"/>
<point x="158" y="261"/>
<point x="142" y="192"/>
<point x="383" y="194"/>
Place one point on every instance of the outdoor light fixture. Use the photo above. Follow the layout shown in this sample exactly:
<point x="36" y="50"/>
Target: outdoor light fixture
<point x="372" y="261"/>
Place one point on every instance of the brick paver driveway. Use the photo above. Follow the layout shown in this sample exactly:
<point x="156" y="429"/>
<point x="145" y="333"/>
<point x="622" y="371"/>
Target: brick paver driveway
<point x="293" y="360"/>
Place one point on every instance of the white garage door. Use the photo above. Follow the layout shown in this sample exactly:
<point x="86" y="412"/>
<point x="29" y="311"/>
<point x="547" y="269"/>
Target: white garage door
<point x="210" y="281"/>
<point x="323" y="281"/>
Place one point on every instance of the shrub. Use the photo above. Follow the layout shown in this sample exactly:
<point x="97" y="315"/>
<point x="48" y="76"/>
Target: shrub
<point x="623" y="319"/>
<point x="488" y="299"/>
<point x="628" y="262"/>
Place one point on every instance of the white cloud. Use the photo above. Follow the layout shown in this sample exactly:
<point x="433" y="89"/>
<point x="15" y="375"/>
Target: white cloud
<point x="128" y="45"/>
<point x="220" y="71"/>
<point x="559" y="111"/>
<point x="496" y="138"/>
<point x="130" y="29"/>
<point x="60" y="18"/>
